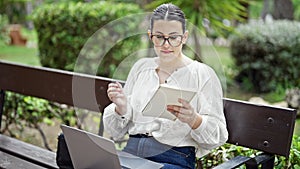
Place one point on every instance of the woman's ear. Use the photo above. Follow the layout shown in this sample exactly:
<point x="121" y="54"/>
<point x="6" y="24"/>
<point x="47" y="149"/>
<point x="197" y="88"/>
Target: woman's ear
<point x="149" y="34"/>
<point x="185" y="37"/>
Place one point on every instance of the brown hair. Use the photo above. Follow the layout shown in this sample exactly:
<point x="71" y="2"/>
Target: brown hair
<point x="168" y="12"/>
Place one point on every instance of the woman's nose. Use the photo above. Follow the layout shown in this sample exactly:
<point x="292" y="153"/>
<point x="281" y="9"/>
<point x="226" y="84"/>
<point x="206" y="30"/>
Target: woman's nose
<point x="166" y="44"/>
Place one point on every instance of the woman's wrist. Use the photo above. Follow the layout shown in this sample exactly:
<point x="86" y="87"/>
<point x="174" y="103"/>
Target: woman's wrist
<point x="121" y="110"/>
<point x="197" y="122"/>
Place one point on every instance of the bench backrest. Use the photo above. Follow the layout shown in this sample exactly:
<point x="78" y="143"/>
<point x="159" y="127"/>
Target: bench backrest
<point x="74" y="89"/>
<point x="260" y="127"/>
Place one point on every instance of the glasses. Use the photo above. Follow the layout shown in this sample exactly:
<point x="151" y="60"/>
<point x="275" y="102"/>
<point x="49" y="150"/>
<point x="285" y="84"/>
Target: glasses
<point x="160" y="40"/>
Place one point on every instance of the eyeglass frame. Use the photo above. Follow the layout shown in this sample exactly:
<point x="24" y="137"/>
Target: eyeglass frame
<point x="166" y="39"/>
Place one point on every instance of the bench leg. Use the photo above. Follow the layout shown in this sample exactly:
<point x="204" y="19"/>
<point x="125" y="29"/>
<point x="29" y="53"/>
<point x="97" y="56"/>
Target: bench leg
<point x="252" y="164"/>
<point x="2" y="97"/>
<point x="269" y="164"/>
<point x="101" y="127"/>
<point x="265" y="160"/>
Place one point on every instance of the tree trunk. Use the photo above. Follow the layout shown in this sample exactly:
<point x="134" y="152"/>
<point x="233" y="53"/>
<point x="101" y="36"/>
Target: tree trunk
<point x="267" y="9"/>
<point x="29" y="8"/>
<point x="197" y="55"/>
<point x="43" y="137"/>
<point x="283" y="9"/>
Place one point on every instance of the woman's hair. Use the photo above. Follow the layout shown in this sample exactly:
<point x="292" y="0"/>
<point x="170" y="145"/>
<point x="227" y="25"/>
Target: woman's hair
<point x="168" y="12"/>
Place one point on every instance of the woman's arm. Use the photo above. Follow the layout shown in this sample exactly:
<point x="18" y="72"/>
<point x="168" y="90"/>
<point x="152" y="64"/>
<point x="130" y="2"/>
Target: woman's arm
<point x="118" y="115"/>
<point x="212" y="131"/>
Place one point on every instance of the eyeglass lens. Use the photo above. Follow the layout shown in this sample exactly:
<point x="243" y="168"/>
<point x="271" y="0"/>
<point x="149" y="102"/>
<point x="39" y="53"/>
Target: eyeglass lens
<point x="159" y="40"/>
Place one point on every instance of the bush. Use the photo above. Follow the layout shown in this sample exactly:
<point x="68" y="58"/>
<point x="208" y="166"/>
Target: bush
<point x="228" y="151"/>
<point x="64" y="28"/>
<point x="25" y="111"/>
<point x="4" y="31"/>
<point x="267" y="55"/>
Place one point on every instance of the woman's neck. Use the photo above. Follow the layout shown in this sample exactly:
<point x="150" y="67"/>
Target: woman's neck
<point x="171" y="66"/>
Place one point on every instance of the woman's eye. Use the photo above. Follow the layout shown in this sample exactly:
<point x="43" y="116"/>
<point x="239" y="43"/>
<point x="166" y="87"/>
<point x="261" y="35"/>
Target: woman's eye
<point x="160" y="37"/>
<point x="173" y="37"/>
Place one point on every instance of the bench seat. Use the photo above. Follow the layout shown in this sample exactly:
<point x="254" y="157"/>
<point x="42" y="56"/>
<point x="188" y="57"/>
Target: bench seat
<point x="8" y="161"/>
<point x="28" y="152"/>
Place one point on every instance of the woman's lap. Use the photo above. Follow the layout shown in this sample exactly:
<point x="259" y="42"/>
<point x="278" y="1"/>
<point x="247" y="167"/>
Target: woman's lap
<point x="171" y="157"/>
<point x="171" y="166"/>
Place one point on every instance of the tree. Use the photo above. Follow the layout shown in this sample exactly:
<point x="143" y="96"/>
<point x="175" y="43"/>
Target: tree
<point x="283" y="9"/>
<point x="207" y="15"/>
<point x="279" y="9"/>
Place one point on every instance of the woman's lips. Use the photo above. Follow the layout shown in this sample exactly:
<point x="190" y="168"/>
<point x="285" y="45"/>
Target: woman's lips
<point x="166" y="51"/>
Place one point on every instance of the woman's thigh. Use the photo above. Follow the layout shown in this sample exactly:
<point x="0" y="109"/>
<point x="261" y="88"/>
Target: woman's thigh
<point x="171" y="157"/>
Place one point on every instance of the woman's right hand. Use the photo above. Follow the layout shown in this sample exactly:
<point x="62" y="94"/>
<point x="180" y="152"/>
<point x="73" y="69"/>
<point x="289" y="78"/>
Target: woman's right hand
<point x="116" y="95"/>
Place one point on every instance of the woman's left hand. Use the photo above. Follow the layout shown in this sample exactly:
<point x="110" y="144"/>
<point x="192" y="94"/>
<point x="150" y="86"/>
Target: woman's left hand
<point x="186" y="113"/>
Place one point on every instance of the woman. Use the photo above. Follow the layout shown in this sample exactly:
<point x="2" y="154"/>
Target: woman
<point x="200" y="125"/>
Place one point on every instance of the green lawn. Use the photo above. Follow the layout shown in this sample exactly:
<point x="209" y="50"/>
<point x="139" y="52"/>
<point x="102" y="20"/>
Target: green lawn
<point x="20" y="54"/>
<point x="297" y="127"/>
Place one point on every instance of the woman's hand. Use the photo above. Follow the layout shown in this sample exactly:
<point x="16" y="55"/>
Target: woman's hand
<point x="116" y="95"/>
<point x="186" y="113"/>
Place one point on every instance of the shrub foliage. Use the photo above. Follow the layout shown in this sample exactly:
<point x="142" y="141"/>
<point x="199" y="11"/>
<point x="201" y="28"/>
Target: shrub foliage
<point x="25" y="111"/>
<point x="229" y="151"/>
<point x="267" y="55"/>
<point x="64" y="28"/>
<point x="4" y="32"/>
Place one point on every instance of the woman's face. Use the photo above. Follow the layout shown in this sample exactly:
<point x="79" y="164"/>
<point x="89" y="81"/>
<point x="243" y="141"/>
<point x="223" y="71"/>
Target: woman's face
<point x="163" y="29"/>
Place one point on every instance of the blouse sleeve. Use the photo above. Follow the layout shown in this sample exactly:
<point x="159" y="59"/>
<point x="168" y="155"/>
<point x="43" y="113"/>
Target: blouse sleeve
<point x="114" y="124"/>
<point x="212" y="132"/>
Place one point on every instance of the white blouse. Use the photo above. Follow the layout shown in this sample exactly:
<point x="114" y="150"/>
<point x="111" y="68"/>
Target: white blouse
<point x="141" y="84"/>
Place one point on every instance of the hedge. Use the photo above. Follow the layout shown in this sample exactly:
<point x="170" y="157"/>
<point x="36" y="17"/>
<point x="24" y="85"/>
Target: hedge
<point x="64" y="28"/>
<point x="4" y="31"/>
<point x="267" y="55"/>
<point x="229" y="151"/>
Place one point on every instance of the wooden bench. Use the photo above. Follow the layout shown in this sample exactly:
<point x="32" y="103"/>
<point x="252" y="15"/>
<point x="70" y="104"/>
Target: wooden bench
<point x="260" y="127"/>
<point x="83" y="91"/>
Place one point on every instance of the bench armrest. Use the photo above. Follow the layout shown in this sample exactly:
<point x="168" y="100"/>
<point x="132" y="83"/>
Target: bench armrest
<point x="233" y="163"/>
<point x="264" y="159"/>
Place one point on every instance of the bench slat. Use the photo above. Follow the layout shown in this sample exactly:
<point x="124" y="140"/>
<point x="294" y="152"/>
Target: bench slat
<point x="8" y="161"/>
<point x="28" y="152"/>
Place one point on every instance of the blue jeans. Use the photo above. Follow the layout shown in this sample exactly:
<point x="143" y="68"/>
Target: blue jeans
<point x="171" y="157"/>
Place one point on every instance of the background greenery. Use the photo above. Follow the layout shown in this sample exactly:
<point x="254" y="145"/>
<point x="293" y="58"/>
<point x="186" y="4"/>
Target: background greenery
<point x="64" y="28"/>
<point x="267" y="55"/>
<point x="57" y="24"/>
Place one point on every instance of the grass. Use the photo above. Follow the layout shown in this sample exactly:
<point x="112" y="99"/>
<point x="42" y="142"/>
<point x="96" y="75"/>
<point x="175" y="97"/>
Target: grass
<point x="297" y="128"/>
<point x="20" y="54"/>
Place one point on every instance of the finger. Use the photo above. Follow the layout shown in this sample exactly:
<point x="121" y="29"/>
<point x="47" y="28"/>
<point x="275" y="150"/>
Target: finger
<point x="173" y="108"/>
<point x="177" y="108"/>
<point x="184" y="103"/>
<point x="175" y="113"/>
<point x="112" y="89"/>
<point x="184" y="111"/>
<point x="112" y="95"/>
<point x="119" y="84"/>
<point x="112" y="84"/>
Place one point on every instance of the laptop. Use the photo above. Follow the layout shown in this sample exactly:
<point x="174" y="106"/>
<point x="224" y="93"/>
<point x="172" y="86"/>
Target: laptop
<point x="91" y="151"/>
